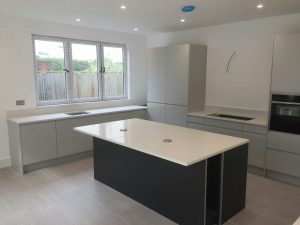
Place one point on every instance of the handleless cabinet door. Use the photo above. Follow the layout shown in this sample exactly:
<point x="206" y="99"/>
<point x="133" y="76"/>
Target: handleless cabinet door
<point x="157" y="74"/>
<point x="286" y="66"/>
<point x="70" y="141"/>
<point x="219" y="130"/>
<point x="257" y="149"/>
<point x="177" y="74"/>
<point x="157" y="112"/>
<point x="120" y="116"/>
<point x="176" y="115"/>
<point x="38" y="142"/>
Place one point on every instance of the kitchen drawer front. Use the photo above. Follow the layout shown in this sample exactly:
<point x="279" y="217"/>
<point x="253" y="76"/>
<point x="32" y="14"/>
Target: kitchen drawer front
<point x="283" y="162"/>
<point x="257" y="149"/>
<point x="196" y="126"/>
<point x="224" y="131"/>
<point x="195" y="119"/>
<point x="223" y="124"/>
<point x="255" y="129"/>
<point x="284" y="142"/>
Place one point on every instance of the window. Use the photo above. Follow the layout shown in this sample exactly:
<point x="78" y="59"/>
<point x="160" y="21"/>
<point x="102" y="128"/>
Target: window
<point x="70" y="71"/>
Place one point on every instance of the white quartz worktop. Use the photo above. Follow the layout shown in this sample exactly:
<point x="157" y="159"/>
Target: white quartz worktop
<point x="61" y="116"/>
<point x="297" y="222"/>
<point x="260" y="120"/>
<point x="188" y="146"/>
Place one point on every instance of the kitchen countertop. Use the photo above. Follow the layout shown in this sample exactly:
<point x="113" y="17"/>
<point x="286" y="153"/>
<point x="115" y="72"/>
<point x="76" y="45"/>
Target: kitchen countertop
<point x="297" y="222"/>
<point x="188" y="146"/>
<point x="61" y="116"/>
<point x="258" y="120"/>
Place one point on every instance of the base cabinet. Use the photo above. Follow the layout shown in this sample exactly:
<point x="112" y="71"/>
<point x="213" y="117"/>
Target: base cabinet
<point x="41" y="144"/>
<point x="71" y="142"/>
<point x="283" y="162"/>
<point x="38" y="142"/>
<point x="257" y="149"/>
<point x="255" y="133"/>
<point x="176" y="115"/>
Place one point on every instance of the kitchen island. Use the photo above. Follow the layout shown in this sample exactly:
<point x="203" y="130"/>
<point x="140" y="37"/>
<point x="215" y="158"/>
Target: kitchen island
<point x="191" y="177"/>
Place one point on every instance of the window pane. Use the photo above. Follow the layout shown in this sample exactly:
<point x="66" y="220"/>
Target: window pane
<point x="50" y="65"/>
<point x="85" y="71"/>
<point x="114" y="71"/>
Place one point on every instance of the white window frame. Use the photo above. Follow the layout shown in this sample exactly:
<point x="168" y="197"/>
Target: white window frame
<point x="67" y="42"/>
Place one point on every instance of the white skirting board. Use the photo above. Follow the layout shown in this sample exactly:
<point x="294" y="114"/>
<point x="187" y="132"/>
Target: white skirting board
<point x="5" y="163"/>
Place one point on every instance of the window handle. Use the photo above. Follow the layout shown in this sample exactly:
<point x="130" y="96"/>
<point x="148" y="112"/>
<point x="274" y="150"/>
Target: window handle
<point x="103" y="69"/>
<point x="66" y="70"/>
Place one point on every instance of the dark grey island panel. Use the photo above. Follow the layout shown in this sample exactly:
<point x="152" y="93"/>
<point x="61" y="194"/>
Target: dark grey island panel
<point x="187" y="195"/>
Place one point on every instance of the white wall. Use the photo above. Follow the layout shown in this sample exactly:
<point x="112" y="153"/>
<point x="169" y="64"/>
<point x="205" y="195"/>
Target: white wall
<point x="247" y="85"/>
<point x="16" y="63"/>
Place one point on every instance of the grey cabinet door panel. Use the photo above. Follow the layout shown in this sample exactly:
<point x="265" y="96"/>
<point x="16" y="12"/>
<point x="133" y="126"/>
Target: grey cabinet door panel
<point x="140" y="114"/>
<point x="176" y="115"/>
<point x="195" y="119"/>
<point x="286" y="66"/>
<point x="224" y="131"/>
<point x="157" y="112"/>
<point x="284" y="142"/>
<point x="38" y="142"/>
<point x="257" y="149"/>
<point x="195" y="126"/>
<point x="283" y="162"/>
<point x="223" y="123"/>
<point x="120" y="116"/>
<point x="177" y="79"/>
<point x="255" y="129"/>
<point x="70" y="141"/>
<point x="157" y="74"/>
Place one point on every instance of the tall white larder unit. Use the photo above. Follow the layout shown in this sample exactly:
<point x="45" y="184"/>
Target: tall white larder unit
<point x="176" y="82"/>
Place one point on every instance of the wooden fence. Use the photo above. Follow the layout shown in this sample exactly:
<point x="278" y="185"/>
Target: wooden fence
<point x="52" y="86"/>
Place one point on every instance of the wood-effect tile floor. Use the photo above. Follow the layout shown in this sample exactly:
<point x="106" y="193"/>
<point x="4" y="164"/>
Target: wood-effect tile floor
<point x="68" y="195"/>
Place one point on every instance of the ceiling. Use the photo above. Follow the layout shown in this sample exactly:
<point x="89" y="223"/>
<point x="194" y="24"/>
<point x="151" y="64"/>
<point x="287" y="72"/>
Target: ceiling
<point x="150" y="16"/>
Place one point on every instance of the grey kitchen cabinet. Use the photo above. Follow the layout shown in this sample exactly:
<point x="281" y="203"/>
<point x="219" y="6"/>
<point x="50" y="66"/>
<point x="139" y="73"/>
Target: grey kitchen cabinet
<point x="186" y="76"/>
<point x="257" y="149"/>
<point x="195" y="126"/>
<point x="283" y="162"/>
<point x="71" y="142"/>
<point x="176" y="78"/>
<point x="157" y="112"/>
<point x="156" y="74"/>
<point x="119" y="116"/>
<point x="284" y="142"/>
<point x="38" y="142"/>
<point x="220" y="130"/>
<point x="286" y="66"/>
<point x="256" y="134"/>
<point x="176" y="115"/>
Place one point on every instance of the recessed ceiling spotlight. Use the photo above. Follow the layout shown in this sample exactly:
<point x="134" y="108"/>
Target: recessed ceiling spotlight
<point x="260" y="6"/>
<point x="182" y="20"/>
<point x="78" y="20"/>
<point x="123" y="7"/>
<point x="135" y="29"/>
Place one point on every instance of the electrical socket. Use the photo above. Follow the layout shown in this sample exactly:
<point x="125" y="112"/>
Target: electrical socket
<point x="20" y="102"/>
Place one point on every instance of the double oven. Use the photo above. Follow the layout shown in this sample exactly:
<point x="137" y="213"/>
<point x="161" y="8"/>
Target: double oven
<point x="285" y="113"/>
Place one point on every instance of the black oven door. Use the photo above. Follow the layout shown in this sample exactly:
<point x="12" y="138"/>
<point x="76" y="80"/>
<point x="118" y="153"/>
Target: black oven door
<point x="285" y="117"/>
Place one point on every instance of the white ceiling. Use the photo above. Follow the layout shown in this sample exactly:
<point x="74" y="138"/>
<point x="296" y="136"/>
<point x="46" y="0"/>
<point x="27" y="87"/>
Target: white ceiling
<point x="150" y="16"/>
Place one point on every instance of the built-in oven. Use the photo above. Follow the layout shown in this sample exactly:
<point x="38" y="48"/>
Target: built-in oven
<point x="285" y="113"/>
